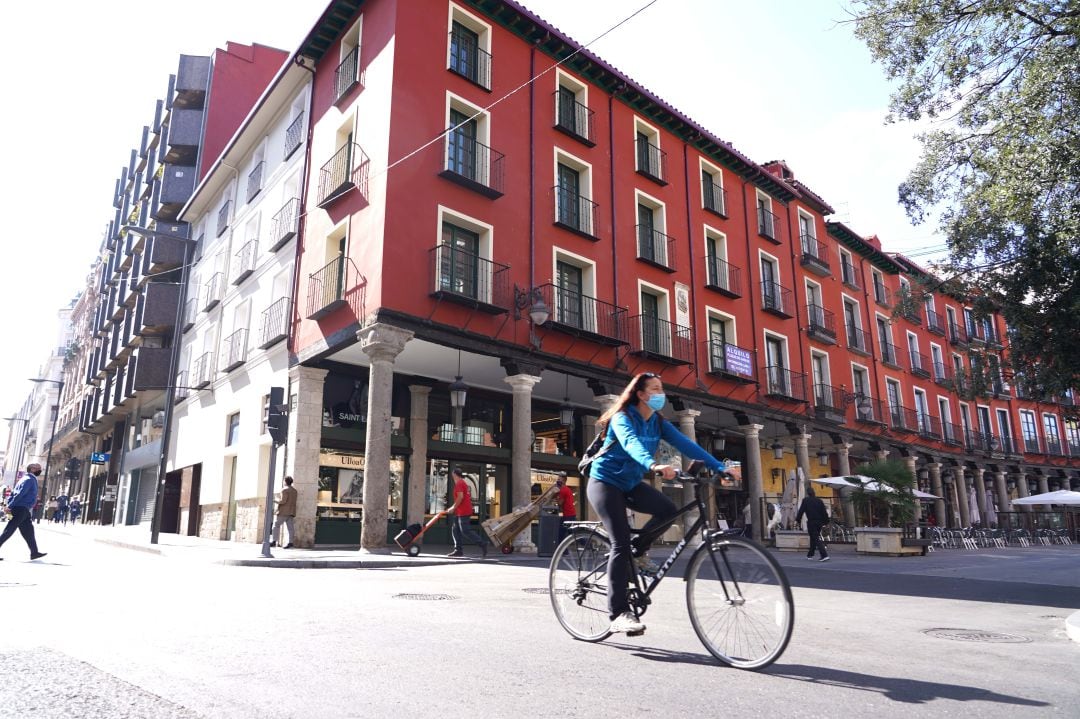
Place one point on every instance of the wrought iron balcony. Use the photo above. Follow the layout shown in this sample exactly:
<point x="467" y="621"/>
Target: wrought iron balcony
<point x="234" y="351"/>
<point x="294" y="135"/>
<point x="958" y="335"/>
<point x="191" y="312"/>
<point x="347" y="75"/>
<point x="975" y="332"/>
<point x="829" y="403"/>
<point x="575" y="212"/>
<point x="882" y="295"/>
<point x="326" y="288"/>
<point x="244" y="261"/>
<point x="202" y="371"/>
<point x="254" y="181"/>
<point x="952" y="434"/>
<point x="213" y="290"/>
<point x="731" y="361"/>
<point x="768" y="226"/>
<point x="903" y="419"/>
<point x="943" y="374"/>
<point x="930" y="426"/>
<point x="468" y="60"/>
<point x="890" y="355"/>
<point x="1032" y="445"/>
<point x="574" y="119"/>
<point x="468" y="279"/>
<point x="999" y="389"/>
<point x="473" y="165"/>
<point x="784" y="384"/>
<point x="285" y="224"/>
<point x="656" y="248"/>
<point x="723" y="277"/>
<point x="934" y="323"/>
<point x="661" y="340"/>
<point x="849" y="275"/>
<point x="275" y="323"/>
<point x="815" y="255"/>
<point x="346" y="170"/>
<point x="822" y="325"/>
<point x="1054" y="448"/>
<point x="920" y="364"/>
<point x="715" y="198"/>
<point x="651" y="161"/>
<point x="857" y="340"/>
<point x="777" y="299"/>
<point x="183" y="389"/>
<point x="582" y="316"/>
<point x="223" y="218"/>
<point x="869" y="410"/>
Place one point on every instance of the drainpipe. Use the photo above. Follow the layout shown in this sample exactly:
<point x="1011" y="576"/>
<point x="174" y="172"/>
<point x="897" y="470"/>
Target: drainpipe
<point x="795" y="301"/>
<point x="532" y="170"/>
<point x="871" y="318"/>
<point x="690" y="244"/>
<point x="750" y="264"/>
<point x="611" y="174"/>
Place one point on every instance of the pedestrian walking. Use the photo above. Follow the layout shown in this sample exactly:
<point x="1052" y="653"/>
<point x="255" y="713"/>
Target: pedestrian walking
<point x="816" y="518"/>
<point x="63" y="503"/>
<point x="21" y="503"/>
<point x="633" y="429"/>
<point x="286" y="511"/>
<point x="54" y="510"/>
<point x="76" y="509"/>
<point x="567" y="504"/>
<point x="461" y="511"/>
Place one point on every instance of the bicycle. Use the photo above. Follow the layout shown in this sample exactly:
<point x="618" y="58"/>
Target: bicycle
<point x="737" y="596"/>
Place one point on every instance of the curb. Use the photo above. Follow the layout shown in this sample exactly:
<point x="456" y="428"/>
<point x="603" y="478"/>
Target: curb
<point x="1072" y="626"/>
<point x="129" y="545"/>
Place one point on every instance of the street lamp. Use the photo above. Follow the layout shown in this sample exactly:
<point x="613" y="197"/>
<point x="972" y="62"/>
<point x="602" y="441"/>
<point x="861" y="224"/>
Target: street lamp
<point x="52" y="435"/>
<point x="174" y="362"/>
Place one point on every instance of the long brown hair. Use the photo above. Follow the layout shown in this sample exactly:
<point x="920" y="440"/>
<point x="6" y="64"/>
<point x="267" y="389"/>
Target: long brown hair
<point x="627" y="398"/>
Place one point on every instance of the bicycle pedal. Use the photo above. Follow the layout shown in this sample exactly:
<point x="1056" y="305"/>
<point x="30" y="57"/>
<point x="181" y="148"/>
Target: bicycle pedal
<point x="635" y="634"/>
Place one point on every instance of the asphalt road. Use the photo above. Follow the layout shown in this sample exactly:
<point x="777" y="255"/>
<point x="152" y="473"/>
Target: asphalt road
<point x="100" y="631"/>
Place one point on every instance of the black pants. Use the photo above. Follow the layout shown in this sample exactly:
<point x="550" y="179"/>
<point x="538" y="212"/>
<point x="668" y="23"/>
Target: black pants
<point x="814" y="529"/>
<point x="461" y="532"/>
<point x="20" y="519"/>
<point x="611" y="503"/>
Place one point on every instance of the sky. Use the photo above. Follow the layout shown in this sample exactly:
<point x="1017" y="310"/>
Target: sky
<point x="779" y="79"/>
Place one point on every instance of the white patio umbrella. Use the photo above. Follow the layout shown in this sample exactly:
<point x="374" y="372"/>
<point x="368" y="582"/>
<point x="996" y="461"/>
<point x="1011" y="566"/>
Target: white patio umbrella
<point x="991" y="514"/>
<point x="1061" y="496"/>
<point x="973" y="506"/>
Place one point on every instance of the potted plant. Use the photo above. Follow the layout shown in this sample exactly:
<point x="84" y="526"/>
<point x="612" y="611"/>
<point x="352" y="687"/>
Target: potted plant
<point x="885" y="498"/>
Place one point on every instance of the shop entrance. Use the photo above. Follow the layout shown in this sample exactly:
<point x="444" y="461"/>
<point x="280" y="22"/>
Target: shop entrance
<point x="488" y="486"/>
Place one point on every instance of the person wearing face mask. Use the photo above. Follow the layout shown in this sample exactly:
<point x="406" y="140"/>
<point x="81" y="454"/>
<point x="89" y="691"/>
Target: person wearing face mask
<point x="633" y="429"/>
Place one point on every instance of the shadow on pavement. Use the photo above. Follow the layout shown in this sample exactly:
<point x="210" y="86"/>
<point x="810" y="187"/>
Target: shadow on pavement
<point x="898" y="689"/>
<point x="664" y="655"/>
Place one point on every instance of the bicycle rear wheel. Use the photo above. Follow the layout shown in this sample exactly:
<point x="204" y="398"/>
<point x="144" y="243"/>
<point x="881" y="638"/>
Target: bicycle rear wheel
<point x="577" y="583"/>
<point x="739" y="603"/>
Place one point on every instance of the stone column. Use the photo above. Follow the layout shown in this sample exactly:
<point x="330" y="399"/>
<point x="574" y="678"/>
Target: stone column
<point x="1043" y="489"/>
<point x="687" y="419"/>
<point x="802" y="456"/>
<point x="521" y="459"/>
<point x="305" y="403"/>
<point x="961" y="497"/>
<point x="843" y="456"/>
<point x="980" y="493"/>
<point x="418" y="440"/>
<point x="881" y="454"/>
<point x="936" y="487"/>
<point x="588" y="430"/>
<point x="1004" y="505"/>
<point x="382" y="343"/>
<point x="1023" y="491"/>
<point x="909" y="462"/>
<point x="752" y="477"/>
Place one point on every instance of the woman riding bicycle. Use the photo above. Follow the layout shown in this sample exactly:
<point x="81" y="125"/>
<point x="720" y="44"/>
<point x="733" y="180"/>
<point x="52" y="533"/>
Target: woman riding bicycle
<point x="633" y="429"/>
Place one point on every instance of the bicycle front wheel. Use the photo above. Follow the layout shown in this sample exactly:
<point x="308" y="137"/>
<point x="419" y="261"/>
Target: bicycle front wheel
<point x="577" y="582"/>
<point x="739" y="602"/>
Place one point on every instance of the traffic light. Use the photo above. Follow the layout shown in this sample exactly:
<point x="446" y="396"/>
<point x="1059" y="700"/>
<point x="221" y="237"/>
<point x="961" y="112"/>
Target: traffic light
<point x="277" y="418"/>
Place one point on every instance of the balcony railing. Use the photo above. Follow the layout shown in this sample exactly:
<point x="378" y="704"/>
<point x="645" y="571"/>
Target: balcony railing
<point x="958" y="335"/>
<point x="767" y="225"/>
<point x="715" y="198"/>
<point x="1032" y="445"/>
<point x="275" y="323"/>
<point x="930" y="426"/>
<point x="347" y="75"/>
<point x="285" y="224"/>
<point x="191" y="312"/>
<point x="345" y="170"/>
<point x="1074" y="447"/>
<point x="723" y="277"/>
<point x="468" y="60"/>
<point x="223" y="218"/>
<point x="234" y="352"/>
<point x="326" y="288"/>
<point x="920" y="364"/>
<point x="466" y="278"/>
<point x="213" y="291"/>
<point x="785" y="384"/>
<point x="849" y="276"/>
<point x="815" y="255"/>
<point x="882" y="295"/>
<point x="822" y="325"/>
<point x="183" y="389"/>
<point x="294" y="135"/>
<point x="580" y="315"/>
<point x="660" y="339"/>
<point x="651" y="161"/>
<point x="575" y="212"/>
<point x="903" y="419"/>
<point x="244" y="261"/>
<point x="868" y="409"/>
<point x="952" y="434"/>
<point x="202" y="371"/>
<point x="731" y="361"/>
<point x="1054" y="448"/>
<point x="254" y="181"/>
<point x="858" y="340"/>
<point x="473" y="165"/>
<point x="943" y="374"/>
<point x="776" y="299"/>
<point x="890" y="355"/>
<point x="574" y="119"/>
<point x="656" y="248"/>
<point x="934" y="323"/>
<point x="829" y="400"/>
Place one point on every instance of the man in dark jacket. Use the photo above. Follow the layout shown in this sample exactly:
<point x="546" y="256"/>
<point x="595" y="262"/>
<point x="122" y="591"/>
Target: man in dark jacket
<point x="816" y="518"/>
<point x="21" y="503"/>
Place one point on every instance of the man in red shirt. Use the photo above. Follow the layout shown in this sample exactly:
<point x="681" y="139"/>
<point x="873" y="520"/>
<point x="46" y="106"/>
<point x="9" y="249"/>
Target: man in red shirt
<point x="566" y="502"/>
<point x="460" y="512"/>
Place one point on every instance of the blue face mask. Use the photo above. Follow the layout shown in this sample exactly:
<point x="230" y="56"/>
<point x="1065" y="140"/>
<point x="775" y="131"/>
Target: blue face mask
<point x="656" y="401"/>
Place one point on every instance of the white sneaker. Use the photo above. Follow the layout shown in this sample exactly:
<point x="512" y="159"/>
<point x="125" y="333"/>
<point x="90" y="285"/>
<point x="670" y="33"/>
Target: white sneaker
<point x="627" y="622"/>
<point x="646" y="566"/>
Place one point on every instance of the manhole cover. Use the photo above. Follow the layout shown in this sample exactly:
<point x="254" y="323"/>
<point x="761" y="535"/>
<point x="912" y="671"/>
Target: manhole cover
<point x="976" y="635"/>
<point x="425" y="597"/>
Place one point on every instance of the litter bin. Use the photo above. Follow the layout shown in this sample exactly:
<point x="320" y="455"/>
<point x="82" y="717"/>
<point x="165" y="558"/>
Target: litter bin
<point x="549" y="532"/>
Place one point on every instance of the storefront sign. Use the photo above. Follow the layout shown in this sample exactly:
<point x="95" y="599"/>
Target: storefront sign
<point x="682" y="305"/>
<point x="345" y="461"/>
<point x="345" y="401"/>
<point x="739" y="361"/>
<point x="99" y="458"/>
<point x="109" y="494"/>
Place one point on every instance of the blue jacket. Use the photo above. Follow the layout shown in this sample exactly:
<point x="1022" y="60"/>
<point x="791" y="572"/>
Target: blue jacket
<point x="25" y="494"/>
<point x="624" y="463"/>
